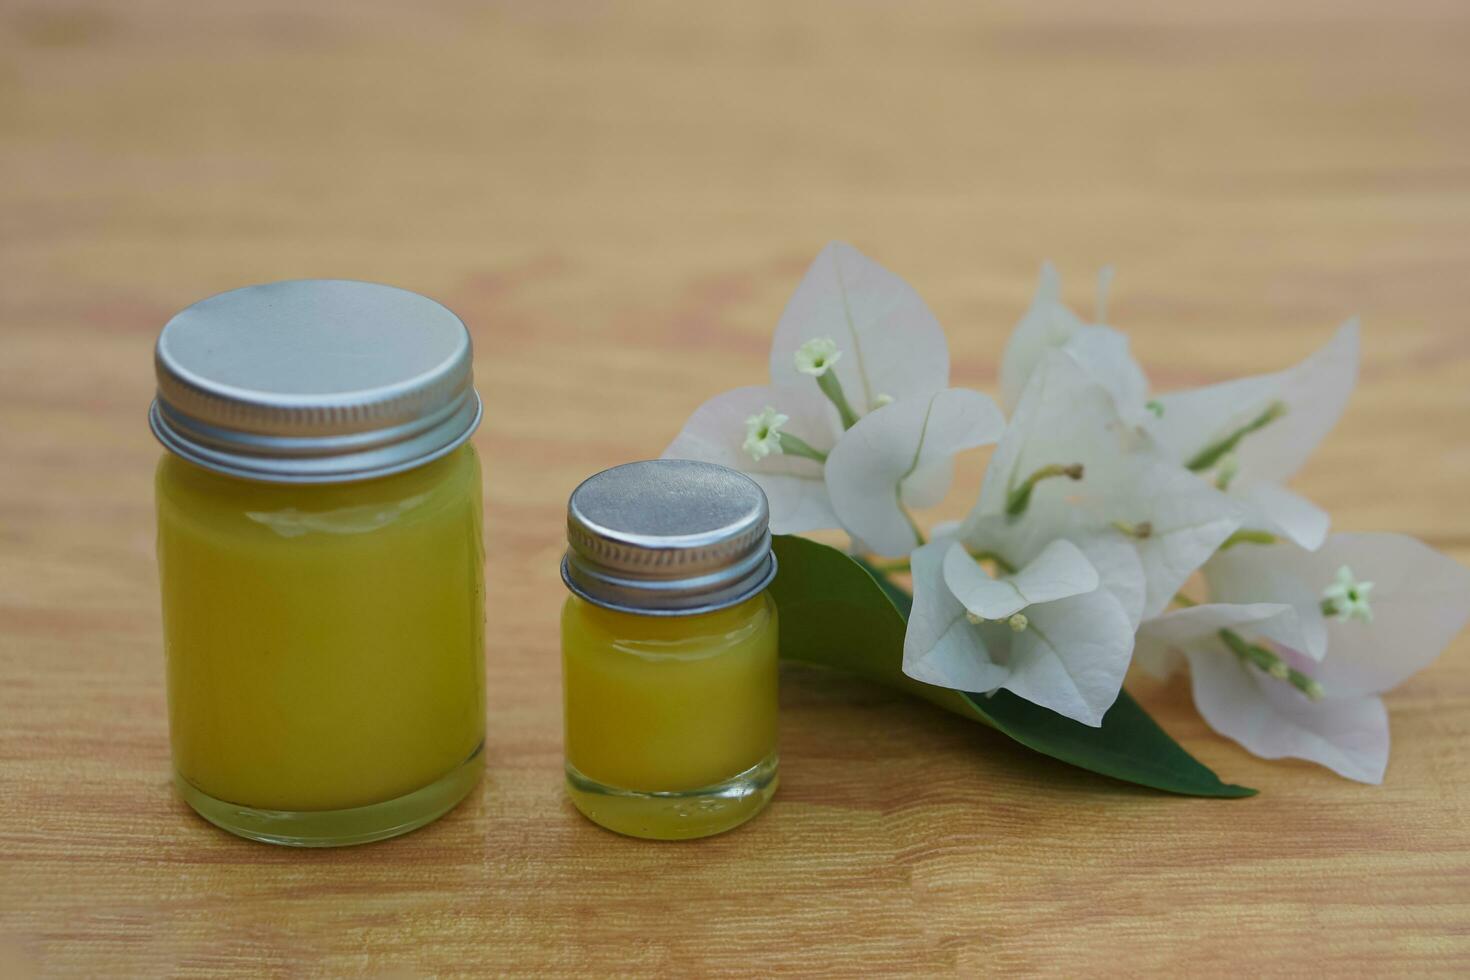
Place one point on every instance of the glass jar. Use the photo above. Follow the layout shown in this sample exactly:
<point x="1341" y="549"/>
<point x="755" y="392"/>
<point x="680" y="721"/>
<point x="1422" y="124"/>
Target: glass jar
<point x="669" y="650"/>
<point x="321" y="560"/>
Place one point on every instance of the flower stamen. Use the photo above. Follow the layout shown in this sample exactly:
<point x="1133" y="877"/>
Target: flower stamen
<point x="815" y="358"/>
<point x="1020" y="497"/>
<point x="1271" y="664"/>
<point x="1206" y="458"/>
<point x="1003" y="566"/>
<point x="1228" y="469"/>
<point x="1142" y="530"/>
<point x="1248" y="536"/>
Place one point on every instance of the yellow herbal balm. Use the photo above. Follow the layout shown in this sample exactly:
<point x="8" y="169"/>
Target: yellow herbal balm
<point x="669" y="650"/>
<point x="321" y="560"/>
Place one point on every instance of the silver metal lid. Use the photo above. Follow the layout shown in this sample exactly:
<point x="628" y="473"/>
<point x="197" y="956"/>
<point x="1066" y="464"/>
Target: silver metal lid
<point x="668" y="537"/>
<point x="314" y="381"/>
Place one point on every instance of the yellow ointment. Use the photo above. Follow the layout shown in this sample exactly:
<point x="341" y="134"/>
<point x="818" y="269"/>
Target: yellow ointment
<point x="324" y="643"/>
<point x="321" y="560"/>
<point x="669" y="703"/>
<point x="669" y="650"/>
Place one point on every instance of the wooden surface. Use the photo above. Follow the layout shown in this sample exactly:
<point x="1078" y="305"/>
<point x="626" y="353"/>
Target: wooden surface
<point x="618" y="201"/>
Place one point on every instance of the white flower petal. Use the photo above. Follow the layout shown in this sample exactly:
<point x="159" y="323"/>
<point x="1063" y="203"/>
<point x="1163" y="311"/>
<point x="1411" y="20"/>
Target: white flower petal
<point x="1421" y="601"/>
<point x="1187" y="518"/>
<point x="1061" y="570"/>
<point x="1072" y="656"/>
<point x="941" y="647"/>
<point x="1276" y="509"/>
<point x="1314" y="392"/>
<point x="1119" y="570"/>
<point x="1269" y="573"/>
<point x="795" y="487"/>
<point x="869" y="464"/>
<point x="1020" y="542"/>
<point x="929" y="484"/>
<point x="1274" y="720"/>
<point x="891" y="343"/>
<point x="1104" y="354"/>
<point x="1046" y="326"/>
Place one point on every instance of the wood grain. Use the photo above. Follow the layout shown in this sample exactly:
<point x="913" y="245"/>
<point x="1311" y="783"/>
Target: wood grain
<point x="618" y="200"/>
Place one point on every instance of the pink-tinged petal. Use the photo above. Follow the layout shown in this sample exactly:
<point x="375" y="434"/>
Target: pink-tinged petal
<point x="1072" y="656"/>
<point x="1420" y="602"/>
<point x="871" y="463"/>
<point x="1277" y="510"/>
<point x="795" y="487"/>
<point x="1271" y="573"/>
<point x="1314" y="393"/>
<point x="1060" y="571"/>
<point x="891" y="343"/>
<point x="1045" y="327"/>
<point x="941" y="647"/>
<point x="1162" y="639"/>
<point x="1274" y="720"/>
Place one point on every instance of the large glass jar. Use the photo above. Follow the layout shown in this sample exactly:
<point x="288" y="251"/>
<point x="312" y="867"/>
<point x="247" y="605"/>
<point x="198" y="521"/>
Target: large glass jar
<point x="669" y="650"/>
<point x="321" y="560"/>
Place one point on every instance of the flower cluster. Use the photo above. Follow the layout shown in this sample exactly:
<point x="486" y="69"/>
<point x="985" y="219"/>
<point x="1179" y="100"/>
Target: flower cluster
<point x="1101" y="501"/>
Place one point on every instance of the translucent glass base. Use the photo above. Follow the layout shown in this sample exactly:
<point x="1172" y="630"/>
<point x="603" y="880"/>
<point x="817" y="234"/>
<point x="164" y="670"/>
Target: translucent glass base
<point x="678" y="815"/>
<point x="337" y="828"/>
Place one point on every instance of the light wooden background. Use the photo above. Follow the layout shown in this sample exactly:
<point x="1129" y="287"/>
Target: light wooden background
<point x="618" y="201"/>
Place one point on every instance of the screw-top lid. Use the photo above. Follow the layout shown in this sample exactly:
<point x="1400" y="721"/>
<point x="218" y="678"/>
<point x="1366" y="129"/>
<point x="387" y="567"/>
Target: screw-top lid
<point x="314" y="381"/>
<point x="668" y="537"/>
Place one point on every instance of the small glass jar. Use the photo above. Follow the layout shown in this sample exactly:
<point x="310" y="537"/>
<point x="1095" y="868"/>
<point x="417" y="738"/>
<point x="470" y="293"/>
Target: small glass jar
<point x="669" y="650"/>
<point x="321" y="560"/>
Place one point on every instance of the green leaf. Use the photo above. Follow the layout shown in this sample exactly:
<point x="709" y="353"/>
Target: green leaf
<point x="839" y="612"/>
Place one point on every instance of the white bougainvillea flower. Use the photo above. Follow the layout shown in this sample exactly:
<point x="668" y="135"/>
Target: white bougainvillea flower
<point x="1068" y="462"/>
<point x="1252" y="434"/>
<point x="1252" y="680"/>
<point x="1254" y="701"/>
<point x="1102" y="352"/>
<point x="1046" y="631"/>
<point x="859" y="380"/>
